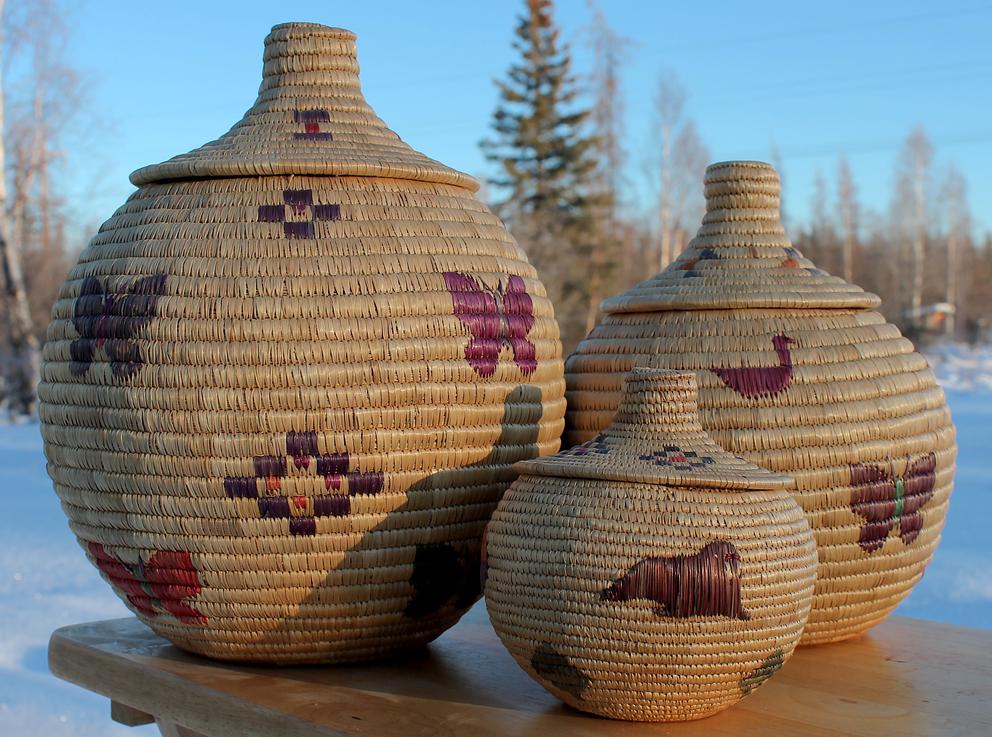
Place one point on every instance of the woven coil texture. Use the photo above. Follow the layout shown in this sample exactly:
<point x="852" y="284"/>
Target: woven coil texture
<point x="279" y="406"/>
<point x="800" y="375"/>
<point x="661" y="599"/>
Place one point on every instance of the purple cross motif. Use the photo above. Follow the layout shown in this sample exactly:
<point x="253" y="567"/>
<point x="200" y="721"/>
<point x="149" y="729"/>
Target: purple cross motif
<point x="673" y="456"/>
<point x="311" y="120"/>
<point x="300" y="202"/>
<point x="340" y="481"/>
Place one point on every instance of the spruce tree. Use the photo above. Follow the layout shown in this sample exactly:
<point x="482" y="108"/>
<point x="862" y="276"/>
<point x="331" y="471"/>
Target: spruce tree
<point x="545" y="163"/>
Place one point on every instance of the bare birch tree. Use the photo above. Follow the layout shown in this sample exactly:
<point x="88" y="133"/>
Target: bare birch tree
<point x="689" y="160"/>
<point x="957" y="225"/>
<point x="678" y="167"/>
<point x="910" y="209"/>
<point x="608" y="49"/>
<point x="23" y="369"/>
<point x="847" y="216"/>
<point x="41" y="97"/>
<point x="669" y="106"/>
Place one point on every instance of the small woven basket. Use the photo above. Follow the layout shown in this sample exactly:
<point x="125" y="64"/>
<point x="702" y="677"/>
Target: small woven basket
<point x="647" y="574"/>
<point x="799" y="374"/>
<point x="285" y="384"/>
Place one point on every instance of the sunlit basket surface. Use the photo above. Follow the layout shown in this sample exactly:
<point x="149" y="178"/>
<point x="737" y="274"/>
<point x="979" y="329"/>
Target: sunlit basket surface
<point x="647" y="574"/>
<point x="800" y="374"/>
<point x="285" y="384"/>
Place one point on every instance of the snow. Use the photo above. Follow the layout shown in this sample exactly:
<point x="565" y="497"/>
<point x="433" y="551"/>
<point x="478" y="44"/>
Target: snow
<point x="962" y="367"/>
<point x="46" y="582"/>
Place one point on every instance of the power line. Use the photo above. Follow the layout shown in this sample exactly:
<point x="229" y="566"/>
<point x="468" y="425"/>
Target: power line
<point x="895" y="74"/>
<point x="877" y="146"/>
<point x="726" y="42"/>
<point x="749" y="39"/>
<point x="868" y="87"/>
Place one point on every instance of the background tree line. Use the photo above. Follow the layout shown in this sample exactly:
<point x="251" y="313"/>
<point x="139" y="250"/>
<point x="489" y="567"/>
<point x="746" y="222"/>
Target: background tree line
<point x="558" y="154"/>
<point x="40" y="98"/>
<point x="560" y="178"/>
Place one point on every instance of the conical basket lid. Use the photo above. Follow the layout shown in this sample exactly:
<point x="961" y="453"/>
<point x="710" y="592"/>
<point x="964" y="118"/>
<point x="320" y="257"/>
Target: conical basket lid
<point x="310" y="118"/>
<point x="656" y="438"/>
<point x="741" y="256"/>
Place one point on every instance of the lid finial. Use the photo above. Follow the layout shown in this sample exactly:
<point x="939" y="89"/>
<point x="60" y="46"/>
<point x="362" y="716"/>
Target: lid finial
<point x="657" y="438"/>
<point x="310" y="118"/>
<point x="741" y="256"/>
<point x="742" y="185"/>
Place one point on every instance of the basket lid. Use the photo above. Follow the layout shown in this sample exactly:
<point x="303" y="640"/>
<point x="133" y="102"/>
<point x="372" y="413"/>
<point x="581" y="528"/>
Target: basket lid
<point x="310" y="118"/>
<point x="741" y="256"/>
<point x="657" y="438"/>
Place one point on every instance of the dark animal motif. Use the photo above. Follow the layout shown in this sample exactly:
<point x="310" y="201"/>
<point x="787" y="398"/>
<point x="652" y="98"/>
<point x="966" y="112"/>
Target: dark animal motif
<point x="885" y="499"/>
<point x="442" y="574"/>
<point x="110" y="320"/>
<point x="763" y="672"/>
<point x="484" y="559"/>
<point x="340" y="481"/>
<point x="164" y="582"/>
<point x="495" y="318"/>
<point x="706" y="584"/>
<point x="761" y="381"/>
<point x="558" y="670"/>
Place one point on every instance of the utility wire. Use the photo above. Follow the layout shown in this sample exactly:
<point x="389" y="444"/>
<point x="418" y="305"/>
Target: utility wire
<point x="480" y="73"/>
<point x="865" y="147"/>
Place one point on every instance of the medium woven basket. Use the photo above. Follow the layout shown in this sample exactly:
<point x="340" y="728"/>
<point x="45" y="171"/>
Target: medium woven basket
<point x="285" y="384"/>
<point x="800" y="374"/>
<point x="648" y="574"/>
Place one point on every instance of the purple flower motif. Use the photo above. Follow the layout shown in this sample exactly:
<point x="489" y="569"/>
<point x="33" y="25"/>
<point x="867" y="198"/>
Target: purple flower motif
<point x="109" y="321"/>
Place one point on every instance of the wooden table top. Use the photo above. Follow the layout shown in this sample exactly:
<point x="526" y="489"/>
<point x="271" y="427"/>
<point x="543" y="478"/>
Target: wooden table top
<point x="905" y="678"/>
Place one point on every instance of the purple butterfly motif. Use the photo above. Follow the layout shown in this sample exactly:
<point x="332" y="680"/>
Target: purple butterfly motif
<point x="495" y="318"/>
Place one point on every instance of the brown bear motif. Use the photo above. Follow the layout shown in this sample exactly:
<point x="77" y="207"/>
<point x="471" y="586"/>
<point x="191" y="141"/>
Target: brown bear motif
<point x="706" y="584"/>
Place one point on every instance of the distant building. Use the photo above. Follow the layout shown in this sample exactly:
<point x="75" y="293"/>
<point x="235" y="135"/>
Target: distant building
<point x="937" y="317"/>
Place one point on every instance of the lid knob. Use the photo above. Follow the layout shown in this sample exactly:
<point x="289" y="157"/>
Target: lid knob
<point x="310" y="119"/>
<point x="659" y="402"/>
<point x="657" y="438"/>
<point x="309" y="54"/>
<point x="743" y="185"/>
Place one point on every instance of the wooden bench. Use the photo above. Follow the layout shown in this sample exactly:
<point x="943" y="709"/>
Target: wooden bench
<point x="905" y="678"/>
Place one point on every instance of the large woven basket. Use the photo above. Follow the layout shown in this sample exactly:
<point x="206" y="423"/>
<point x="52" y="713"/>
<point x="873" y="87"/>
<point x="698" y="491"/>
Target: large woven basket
<point x="648" y="574"/>
<point x="799" y="374"/>
<point x="285" y="384"/>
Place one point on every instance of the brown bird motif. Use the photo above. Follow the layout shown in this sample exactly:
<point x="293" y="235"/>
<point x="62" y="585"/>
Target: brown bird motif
<point x="761" y="381"/>
<point x="706" y="584"/>
<point x="886" y="499"/>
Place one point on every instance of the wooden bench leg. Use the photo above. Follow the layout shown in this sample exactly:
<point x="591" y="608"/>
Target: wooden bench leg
<point x="129" y="716"/>
<point x="170" y="729"/>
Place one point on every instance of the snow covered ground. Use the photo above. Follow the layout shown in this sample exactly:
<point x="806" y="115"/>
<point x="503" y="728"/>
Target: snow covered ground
<point x="46" y="582"/>
<point x="961" y="367"/>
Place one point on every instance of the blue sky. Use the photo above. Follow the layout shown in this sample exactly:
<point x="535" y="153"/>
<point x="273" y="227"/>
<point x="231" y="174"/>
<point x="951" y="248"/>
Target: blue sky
<point x="815" y="79"/>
